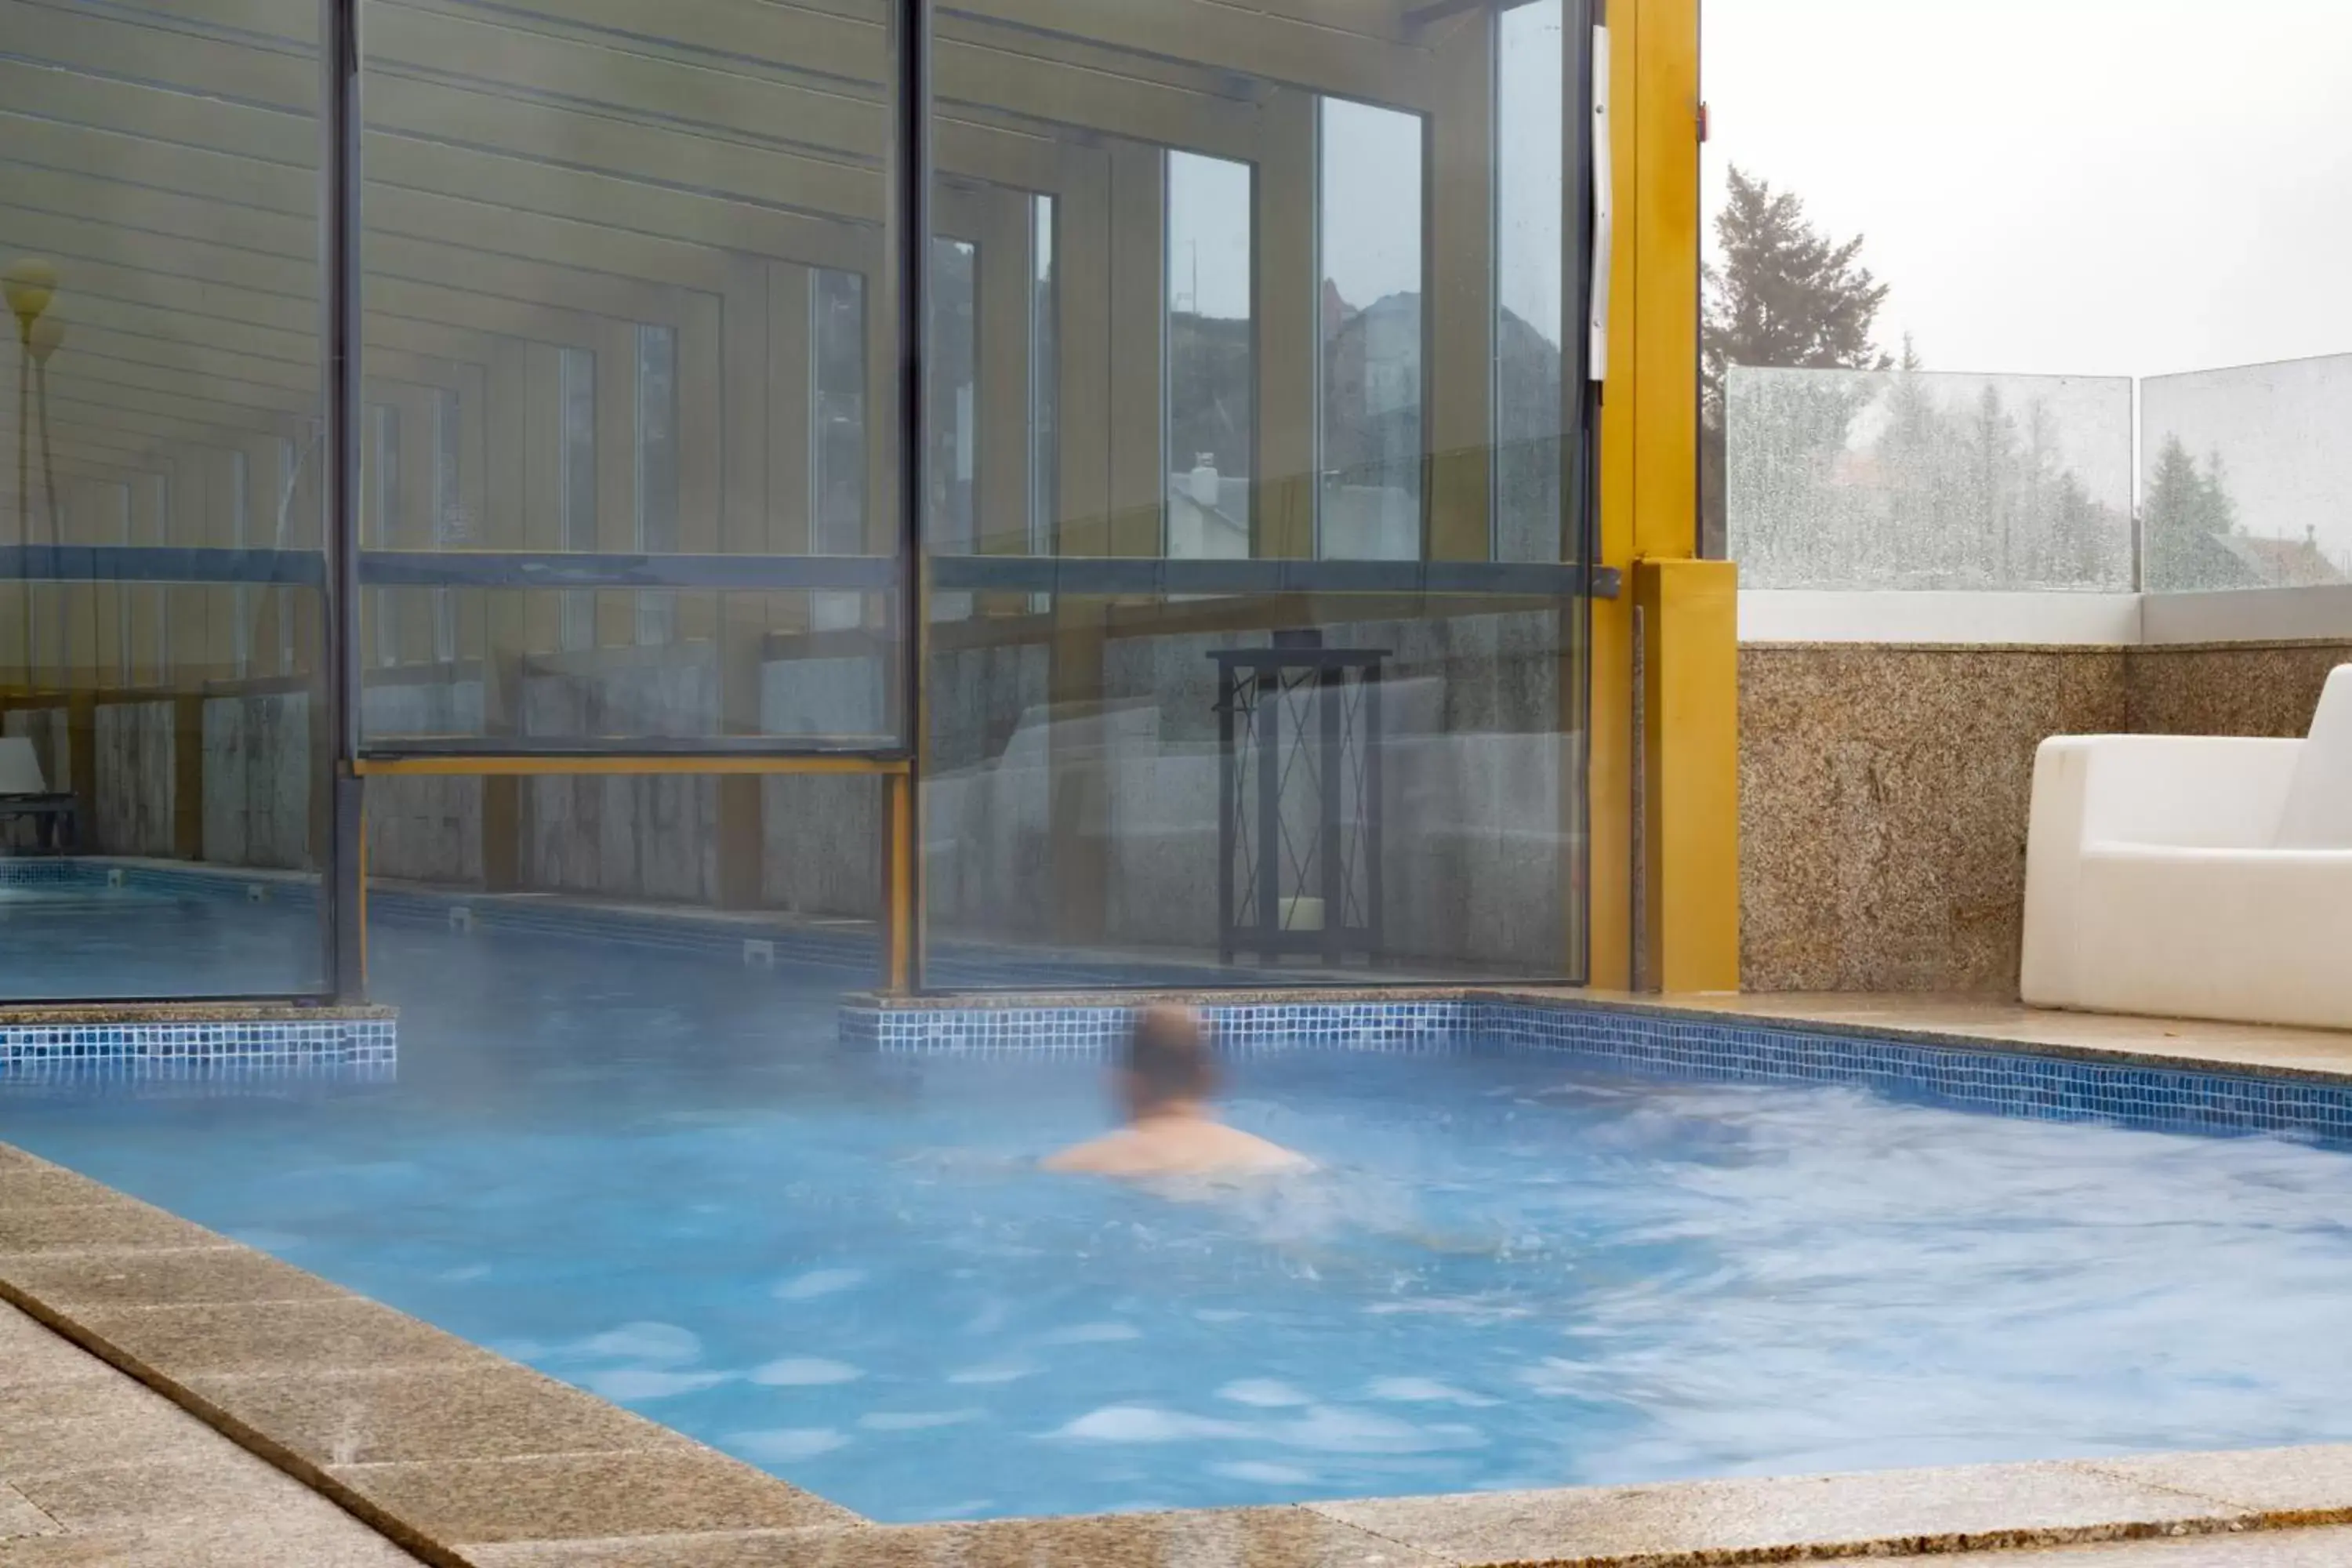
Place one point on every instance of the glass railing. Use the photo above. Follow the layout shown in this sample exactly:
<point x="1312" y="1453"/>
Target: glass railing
<point x="2235" y="478"/>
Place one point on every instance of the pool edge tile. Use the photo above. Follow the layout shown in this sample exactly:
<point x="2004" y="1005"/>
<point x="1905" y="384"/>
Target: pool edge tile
<point x="461" y="1503"/>
<point x="1276" y="1536"/>
<point x="2306" y="1485"/>
<point x="1881" y="1513"/>
<point x="476" y="1408"/>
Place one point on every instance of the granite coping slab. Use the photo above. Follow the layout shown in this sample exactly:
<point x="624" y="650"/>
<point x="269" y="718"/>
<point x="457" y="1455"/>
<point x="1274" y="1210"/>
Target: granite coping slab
<point x="14" y="1014"/>
<point x="468" y="1460"/>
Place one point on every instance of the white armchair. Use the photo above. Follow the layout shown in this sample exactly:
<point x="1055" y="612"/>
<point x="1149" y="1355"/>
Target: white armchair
<point x="2193" y="875"/>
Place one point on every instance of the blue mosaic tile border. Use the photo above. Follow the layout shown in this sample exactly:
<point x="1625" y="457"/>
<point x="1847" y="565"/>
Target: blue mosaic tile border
<point x="31" y="1053"/>
<point x="40" y="868"/>
<point x="1093" y="1032"/>
<point x="137" y="1079"/>
<point x="2005" y="1082"/>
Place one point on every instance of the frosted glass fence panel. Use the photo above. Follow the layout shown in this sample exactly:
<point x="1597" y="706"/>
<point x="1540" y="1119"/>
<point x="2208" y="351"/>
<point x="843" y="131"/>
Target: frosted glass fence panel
<point x="1837" y="479"/>
<point x="2246" y="476"/>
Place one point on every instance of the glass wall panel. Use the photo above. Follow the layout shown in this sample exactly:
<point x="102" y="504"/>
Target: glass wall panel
<point x="1531" y="238"/>
<point x="634" y="249"/>
<point x="161" y="727"/>
<point x="1210" y="365"/>
<point x="2246" y="477"/>
<point x="1044" y="370"/>
<point x="1243" y="686"/>
<point x="776" y="873"/>
<point x="1368" y="243"/>
<point x="952" y="403"/>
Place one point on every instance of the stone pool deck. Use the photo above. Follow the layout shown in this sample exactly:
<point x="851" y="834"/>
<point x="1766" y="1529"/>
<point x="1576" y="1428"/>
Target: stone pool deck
<point x="96" y="1469"/>
<point x="435" y="1450"/>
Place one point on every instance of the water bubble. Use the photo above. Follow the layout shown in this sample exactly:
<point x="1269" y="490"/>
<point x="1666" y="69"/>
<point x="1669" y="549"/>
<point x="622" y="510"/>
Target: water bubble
<point x="782" y="1445"/>
<point x="805" y="1372"/>
<point x="624" y="1383"/>
<point x="818" y="1283"/>
<point x="1264" y="1393"/>
<point x="660" y="1343"/>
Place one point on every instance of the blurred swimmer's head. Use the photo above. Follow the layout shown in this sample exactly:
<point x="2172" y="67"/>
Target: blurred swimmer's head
<point x="1166" y="1068"/>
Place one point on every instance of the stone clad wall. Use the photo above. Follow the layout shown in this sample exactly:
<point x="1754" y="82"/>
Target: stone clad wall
<point x="1883" y="795"/>
<point x="2245" y="689"/>
<point x="1886" y="789"/>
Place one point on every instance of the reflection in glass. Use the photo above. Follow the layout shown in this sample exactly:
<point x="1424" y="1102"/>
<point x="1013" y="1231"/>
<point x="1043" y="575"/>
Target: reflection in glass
<point x="2246" y="477"/>
<point x="1045" y="378"/>
<point x="1530" y="419"/>
<point x="1211" y="356"/>
<point x="575" y="479"/>
<point x="240" y="510"/>
<point x="838" y="446"/>
<point x="638" y="248"/>
<point x="450" y="523"/>
<point x="838" y="473"/>
<point x="1230" y="293"/>
<point x="955" y="285"/>
<point x="656" y="462"/>
<point x="379" y="514"/>
<point x="1368" y="239"/>
<point x="160" y="232"/>
<point x="951" y="409"/>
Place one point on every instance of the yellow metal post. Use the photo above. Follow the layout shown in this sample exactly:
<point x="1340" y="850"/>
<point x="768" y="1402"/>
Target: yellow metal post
<point x="1690" y="857"/>
<point x="1648" y="530"/>
<point x="898" y="913"/>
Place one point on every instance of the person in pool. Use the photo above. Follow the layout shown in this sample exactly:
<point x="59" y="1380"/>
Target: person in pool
<point x="1164" y="1085"/>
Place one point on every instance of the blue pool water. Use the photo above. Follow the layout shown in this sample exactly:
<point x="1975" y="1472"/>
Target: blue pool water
<point x="85" y="941"/>
<point x="655" y="1177"/>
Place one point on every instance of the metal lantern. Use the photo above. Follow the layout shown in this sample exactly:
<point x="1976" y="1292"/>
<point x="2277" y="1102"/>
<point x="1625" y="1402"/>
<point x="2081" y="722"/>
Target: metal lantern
<point x="1298" y="799"/>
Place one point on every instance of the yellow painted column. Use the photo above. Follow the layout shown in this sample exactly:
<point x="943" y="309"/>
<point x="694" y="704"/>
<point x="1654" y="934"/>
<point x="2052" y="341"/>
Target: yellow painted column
<point x="1688" y="820"/>
<point x="1690" y="774"/>
<point x="900" y="920"/>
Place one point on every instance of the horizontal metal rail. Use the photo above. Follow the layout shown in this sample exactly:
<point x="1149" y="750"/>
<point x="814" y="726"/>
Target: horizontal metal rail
<point x="1076" y="575"/>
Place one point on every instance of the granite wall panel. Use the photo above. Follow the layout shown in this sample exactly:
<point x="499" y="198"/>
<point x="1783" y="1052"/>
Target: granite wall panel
<point x="2230" y="689"/>
<point x="1883" y="793"/>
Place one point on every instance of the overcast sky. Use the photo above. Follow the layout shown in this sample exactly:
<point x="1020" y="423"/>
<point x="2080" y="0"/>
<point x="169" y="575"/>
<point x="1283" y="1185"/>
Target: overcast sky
<point x="2119" y="187"/>
<point x="2126" y="188"/>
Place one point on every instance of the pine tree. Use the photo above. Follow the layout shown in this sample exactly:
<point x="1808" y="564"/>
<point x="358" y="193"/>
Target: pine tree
<point x="1785" y="295"/>
<point x="1992" y="442"/>
<point x="2183" y="508"/>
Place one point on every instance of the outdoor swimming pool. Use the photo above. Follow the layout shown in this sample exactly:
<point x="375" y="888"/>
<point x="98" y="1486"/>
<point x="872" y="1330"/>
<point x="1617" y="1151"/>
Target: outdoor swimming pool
<point x="657" y="1177"/>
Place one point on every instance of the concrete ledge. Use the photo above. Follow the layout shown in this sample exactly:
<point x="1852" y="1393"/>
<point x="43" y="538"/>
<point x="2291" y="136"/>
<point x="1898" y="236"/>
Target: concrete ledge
<point x="1932" y="617"/>
<point x="1940" y="618"/>
<point x="2266" y="616"/>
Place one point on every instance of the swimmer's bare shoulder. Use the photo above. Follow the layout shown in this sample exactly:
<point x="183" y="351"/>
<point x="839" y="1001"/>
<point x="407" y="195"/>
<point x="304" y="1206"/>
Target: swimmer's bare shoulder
<point x="1201" y="1148"/>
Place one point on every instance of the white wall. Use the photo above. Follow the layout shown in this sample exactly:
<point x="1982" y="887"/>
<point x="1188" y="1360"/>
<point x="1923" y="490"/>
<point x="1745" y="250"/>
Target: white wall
<point x="2106" y="620"/>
